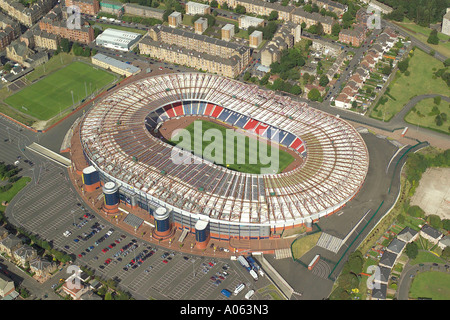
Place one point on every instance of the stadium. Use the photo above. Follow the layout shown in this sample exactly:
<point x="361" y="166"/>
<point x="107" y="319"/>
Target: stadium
<point x="125" y="146"/>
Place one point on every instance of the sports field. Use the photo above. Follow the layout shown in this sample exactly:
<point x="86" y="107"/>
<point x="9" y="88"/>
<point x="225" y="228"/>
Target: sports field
<point x="53" y="94"/>
<point x="249" y="156"/>
<point x="431" y="284"/>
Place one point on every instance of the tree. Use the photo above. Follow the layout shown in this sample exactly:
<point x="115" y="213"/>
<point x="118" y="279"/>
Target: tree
<point x="108" y="296"/>
<point x="437" y="100"/>
<point x="65" y="45"/>
<point x="434" y="221"/>
<point x="314" y="95"/>
<point x="240" y="9"/>
<point x="403" y="65"/>
<point x="446" y="253"/>
<point x="296" y="90"/>
<point x="247" y="76"/>
<point x="416" y="211"/>
<point x="447" y="62"/>
<point x="433" y="37"/>
<point x="323" y="81"/>
<point x="214" y="4"/>
<point x="273" y="16"/>
<point x="335" y="29"/>
<point x="446" y="224"/>
<point x="411" y="250"/>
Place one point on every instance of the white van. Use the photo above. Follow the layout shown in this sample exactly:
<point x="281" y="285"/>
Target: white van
<point x="238" y="289"/>
<point x="249" y="294"/>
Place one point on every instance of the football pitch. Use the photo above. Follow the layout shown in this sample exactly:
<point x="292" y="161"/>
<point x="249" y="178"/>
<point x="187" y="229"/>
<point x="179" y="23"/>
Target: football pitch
<point x="248" y="155"/>
<point x="51" y="95"/>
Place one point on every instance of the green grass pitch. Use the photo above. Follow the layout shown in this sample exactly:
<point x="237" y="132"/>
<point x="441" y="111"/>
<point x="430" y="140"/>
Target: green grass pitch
<point x="279" y="162"/>
<point x="49" y="96"/>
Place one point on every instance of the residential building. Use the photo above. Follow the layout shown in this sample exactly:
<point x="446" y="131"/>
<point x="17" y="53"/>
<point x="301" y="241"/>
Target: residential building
<point x="6" y="286"/>
<point x="300" y="16"/>
<point x="44" y="39"/>
<point x="112" y="6"/>
<point x="24" y="254"/>
<point x="247" y="21"/>
<point x="430" y="234"/>
<point x="285" y="37"/>
<point x="326" y="48"/>
<point x="114" y="65"/>
<point x="175" y="19"/>
<point x="228" y="66"/>
<point x="89" y="295"/>
<point x="388" y="259"/>
<point x="27" y="15"/>
<point x="90" y="7"/>
<point x="379" y="293"/>
<point x="10" y="244"/>
<point x="354" y="37"/>
<point x="74" y="290"/>
<point x="41" y="267"/>
<point x="444" y="242"/>
<point x="408" y="235"/>
<point x="143" y="11"/>
<point x="332" y="6"/>
<point x="193" y="8"/>
<point x="396" y="246"/>
<point x="255" y="39"/>
<point x="199" y="43"/>
<point x="227" y="32"/>
<point x="446" y="23"/>
<point x="200" y="25"/>
<point x="9" y="30"/>
<point x="3" y="233"/>
<point x="117" y="39"/>
<point x="384" y="274"/>
<point x="51" y="23"/>
<point x="383" y="8"/>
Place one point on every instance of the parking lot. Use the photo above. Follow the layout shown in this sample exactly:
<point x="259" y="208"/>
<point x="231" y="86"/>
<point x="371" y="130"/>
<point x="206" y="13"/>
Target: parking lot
<point x="51" y="208"/>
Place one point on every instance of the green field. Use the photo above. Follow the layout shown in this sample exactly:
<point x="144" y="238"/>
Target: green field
<point x="404" y="88"/>
<point x="422" y="34"/>
<point x="432" y="284"/>
<point x="53" y="94"/>
<point x="423" y="116"/>
<point x="239" y="164"/>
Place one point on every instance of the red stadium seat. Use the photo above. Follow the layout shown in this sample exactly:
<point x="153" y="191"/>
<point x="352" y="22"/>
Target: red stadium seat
<point x="209" y="109"/>
<point x="217" y="111"/>
<point x="251" y="124"/>
<point x="169" y="111"/>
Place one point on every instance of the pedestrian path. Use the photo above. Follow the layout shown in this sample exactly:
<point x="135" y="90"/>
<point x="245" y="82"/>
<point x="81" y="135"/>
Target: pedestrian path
<point x="283" y="253"/>
<point x="329" y="242"/>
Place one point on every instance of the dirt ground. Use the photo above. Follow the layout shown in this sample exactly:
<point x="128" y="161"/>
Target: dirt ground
<point x="169" y="126"/>
<point x="433" y="192"/>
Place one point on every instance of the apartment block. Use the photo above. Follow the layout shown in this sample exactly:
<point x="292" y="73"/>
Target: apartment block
<point x="227" y="32"/>
<point x="175" y="19"/>
<point x="27" y="15"/>
<point x="90" y="7"/>
<point x="200" y="25"/>
<point x="193" y="8"/>
<point x="246" y="21"/>
<point x="255" y="39"/>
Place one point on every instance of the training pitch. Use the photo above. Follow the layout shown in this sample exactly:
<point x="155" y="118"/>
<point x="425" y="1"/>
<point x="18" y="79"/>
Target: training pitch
<point x="53" y="94"/>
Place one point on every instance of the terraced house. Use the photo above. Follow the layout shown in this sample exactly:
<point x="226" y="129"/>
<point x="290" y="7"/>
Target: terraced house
<point x="9" y="30"/>
<point x="27" y="15"/>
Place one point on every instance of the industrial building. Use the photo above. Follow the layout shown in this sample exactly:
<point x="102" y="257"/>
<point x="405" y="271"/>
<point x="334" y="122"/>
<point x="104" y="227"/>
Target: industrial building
<point x="117" y="39"/>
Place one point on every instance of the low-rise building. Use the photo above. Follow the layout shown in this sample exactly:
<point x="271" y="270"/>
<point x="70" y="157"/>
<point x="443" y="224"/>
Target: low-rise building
<point x="24" y="254"/>
<point x="117" y="39"/>
<point x="143" y="11"/>
<point x="10" y="244"/>
<point x="354" y="37"/>
<point x="247" y="21"/>
<point x="41" y="267"/>
<point x="6" y="286"/>
<point x="430" y="233"/>
<point x="388" y="259"/>
<point x="444" y="242"/>
<point x="446" y="23"/>
<point x="300" y="16"/>
<point x="407" y="235"/>
<point x="114" y="7"/>
<point x="114" y="65"/>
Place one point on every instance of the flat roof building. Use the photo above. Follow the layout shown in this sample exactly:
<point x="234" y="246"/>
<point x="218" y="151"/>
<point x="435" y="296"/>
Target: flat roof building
<point x="255" y="39"/>
<point x="246" y="21"/>
<point x="114" y="65"/>
<point x="193" y="8"/>
<point x="227" y="32"/>
<point x="117" y="39"/>
<point x="175" y="19"/>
